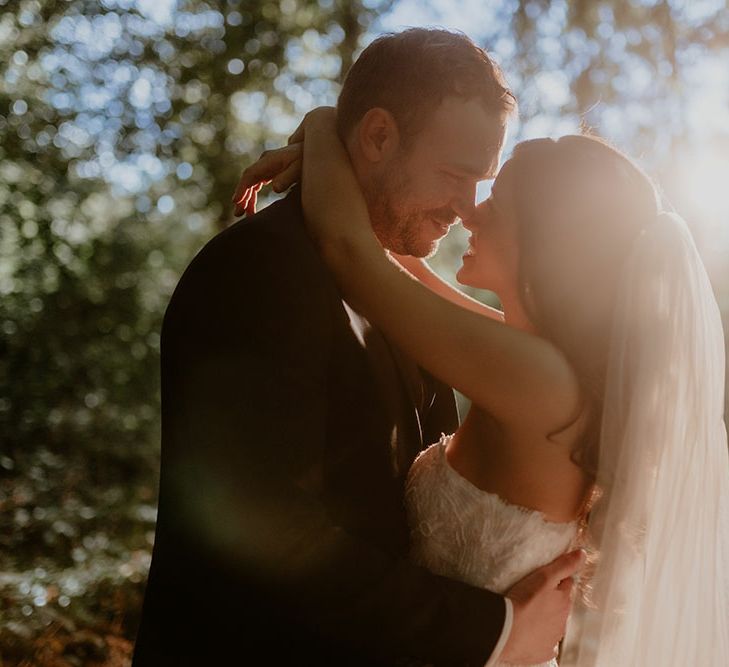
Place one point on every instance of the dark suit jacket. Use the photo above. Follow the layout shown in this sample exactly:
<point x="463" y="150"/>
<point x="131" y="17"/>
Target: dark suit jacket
<point x="288" y="427"/>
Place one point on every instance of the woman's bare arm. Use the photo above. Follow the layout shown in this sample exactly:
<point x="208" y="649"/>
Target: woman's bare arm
<point x="505" y="371"/>
<point x="419" y="269"/>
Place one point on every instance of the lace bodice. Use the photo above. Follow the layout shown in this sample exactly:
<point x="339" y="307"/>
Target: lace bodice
<point x="464" y="533"/>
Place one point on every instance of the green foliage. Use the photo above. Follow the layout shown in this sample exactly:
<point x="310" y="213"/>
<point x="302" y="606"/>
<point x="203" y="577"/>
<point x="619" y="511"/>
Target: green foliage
<point x="75" y="559"/>
<point x="122" y="139"/>
<point x="122" y="132"/>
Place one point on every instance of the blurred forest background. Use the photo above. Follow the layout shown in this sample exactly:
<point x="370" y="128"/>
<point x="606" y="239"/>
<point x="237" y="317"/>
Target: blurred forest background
<point x="124" y="125"/>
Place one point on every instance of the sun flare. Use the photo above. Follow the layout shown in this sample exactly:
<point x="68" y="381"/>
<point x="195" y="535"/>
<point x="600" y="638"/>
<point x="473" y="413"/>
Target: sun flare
<point x="706" y="182"/>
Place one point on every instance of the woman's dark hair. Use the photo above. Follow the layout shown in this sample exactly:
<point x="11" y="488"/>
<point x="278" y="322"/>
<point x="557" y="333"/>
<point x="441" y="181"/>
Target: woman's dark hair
<point x="410" y="73"/>
<point x="579" y="204"/>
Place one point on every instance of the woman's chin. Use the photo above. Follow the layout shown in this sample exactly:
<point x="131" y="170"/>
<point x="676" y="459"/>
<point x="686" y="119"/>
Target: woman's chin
<point x="470" y="276"/>
<point x="463" y="274"/>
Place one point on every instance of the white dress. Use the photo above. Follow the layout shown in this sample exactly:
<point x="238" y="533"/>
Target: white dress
<point x="464" y="533"/>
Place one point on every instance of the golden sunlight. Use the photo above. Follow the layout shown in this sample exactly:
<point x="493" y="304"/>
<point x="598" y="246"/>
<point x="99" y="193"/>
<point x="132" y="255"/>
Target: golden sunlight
<point x="705" y="181"/>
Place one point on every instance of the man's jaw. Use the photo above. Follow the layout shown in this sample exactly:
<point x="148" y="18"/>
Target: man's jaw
<point x="416" y="234"/>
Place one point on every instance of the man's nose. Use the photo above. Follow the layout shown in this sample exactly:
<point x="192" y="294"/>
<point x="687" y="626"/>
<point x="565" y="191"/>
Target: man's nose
<point x="464" y="203"/>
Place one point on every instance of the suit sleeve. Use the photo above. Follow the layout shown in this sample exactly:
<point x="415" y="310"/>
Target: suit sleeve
<point x="245" y="358"/>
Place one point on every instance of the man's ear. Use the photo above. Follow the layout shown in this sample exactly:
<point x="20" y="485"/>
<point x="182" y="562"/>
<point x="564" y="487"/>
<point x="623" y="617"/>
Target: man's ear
<point x="378" y="135"/>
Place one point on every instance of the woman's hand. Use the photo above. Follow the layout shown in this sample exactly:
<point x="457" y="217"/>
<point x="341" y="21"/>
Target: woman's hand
<point x="280" y="167"/>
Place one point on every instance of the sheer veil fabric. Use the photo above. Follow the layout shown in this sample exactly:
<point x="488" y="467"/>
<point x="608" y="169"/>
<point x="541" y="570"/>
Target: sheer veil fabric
<point x="660" y="591"/>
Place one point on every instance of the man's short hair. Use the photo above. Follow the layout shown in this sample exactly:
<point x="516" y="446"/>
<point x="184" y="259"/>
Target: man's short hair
<point x="410" y="73"/>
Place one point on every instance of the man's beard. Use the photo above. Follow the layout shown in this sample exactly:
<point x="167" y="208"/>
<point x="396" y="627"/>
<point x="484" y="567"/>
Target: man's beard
<point x="401" y="230"/>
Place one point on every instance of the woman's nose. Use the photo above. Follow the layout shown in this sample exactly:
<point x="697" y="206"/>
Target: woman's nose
<point x="474" y="219"/>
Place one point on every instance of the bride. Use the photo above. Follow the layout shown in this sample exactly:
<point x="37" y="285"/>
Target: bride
<point x="597" y="395"/>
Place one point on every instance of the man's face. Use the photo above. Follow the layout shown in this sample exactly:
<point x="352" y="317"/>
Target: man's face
<point x="415" y="197"/>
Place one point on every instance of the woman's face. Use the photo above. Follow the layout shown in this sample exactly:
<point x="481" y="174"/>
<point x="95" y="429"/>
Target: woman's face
<point x="491" y="260"/>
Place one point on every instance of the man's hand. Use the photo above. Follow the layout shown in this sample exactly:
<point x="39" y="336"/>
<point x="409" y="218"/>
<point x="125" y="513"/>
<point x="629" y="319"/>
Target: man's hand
<point x="542" y="602"/>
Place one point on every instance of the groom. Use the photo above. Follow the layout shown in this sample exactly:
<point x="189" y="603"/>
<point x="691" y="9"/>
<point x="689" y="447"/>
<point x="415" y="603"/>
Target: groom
<point x="289" y="423"/>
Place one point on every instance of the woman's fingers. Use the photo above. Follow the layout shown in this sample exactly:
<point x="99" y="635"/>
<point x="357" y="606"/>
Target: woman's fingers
<point x="281" y="166"/>
<point x="270" y="165"/>
<point x="247" y="201"/>
<point x="257" y="172"/>
<point x="282" y="182"/>
<point x="244" y="192"/>
<point x="252" y="200"/>
<point x="287" y="177"/>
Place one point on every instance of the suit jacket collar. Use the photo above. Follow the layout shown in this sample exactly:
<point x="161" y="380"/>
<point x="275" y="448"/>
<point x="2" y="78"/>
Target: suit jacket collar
<point x="400" y="383"/>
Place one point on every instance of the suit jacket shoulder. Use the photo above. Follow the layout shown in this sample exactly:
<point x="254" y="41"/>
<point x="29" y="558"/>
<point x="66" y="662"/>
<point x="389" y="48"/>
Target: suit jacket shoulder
<point x="273" y="241"/>
<point x="265" y="265"/>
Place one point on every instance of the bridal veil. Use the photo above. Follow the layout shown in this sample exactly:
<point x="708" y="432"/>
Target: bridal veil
<point x="660" y="591"/>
